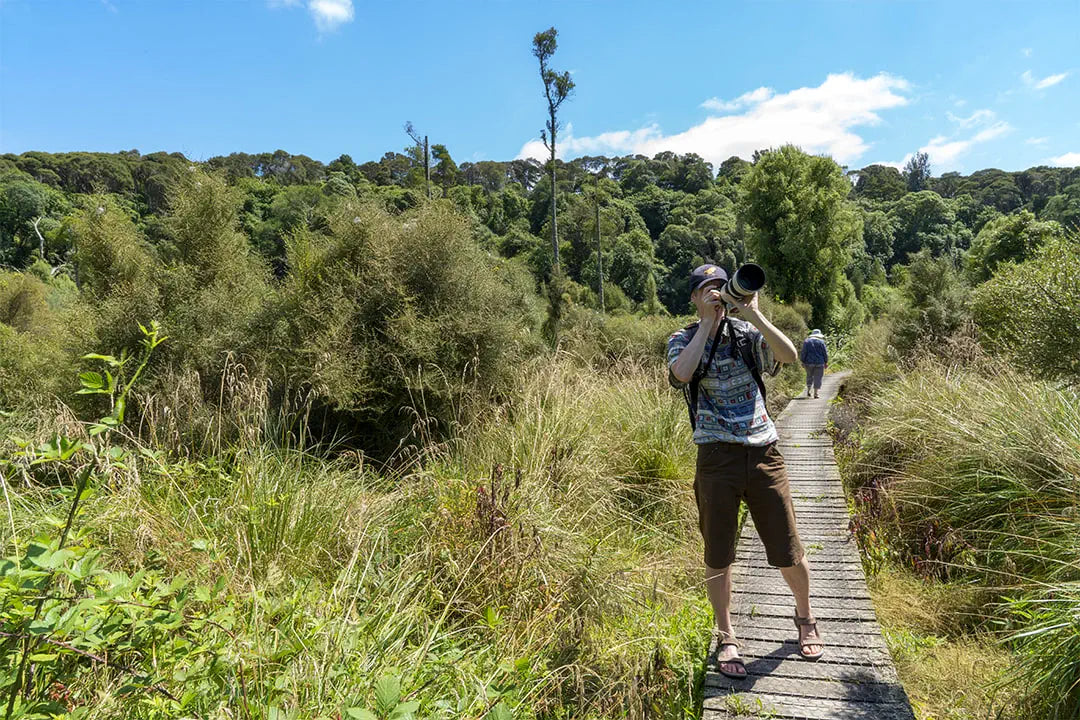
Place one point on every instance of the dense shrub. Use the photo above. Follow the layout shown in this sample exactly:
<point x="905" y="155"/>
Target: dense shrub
<point x="972" y="475"/>
<point x="390" y="319"/>
<point x="1031" y="312"/>
<point x="1012" y="238"/>
<point x="937" y="305"/>
<point x="42" y="330"/>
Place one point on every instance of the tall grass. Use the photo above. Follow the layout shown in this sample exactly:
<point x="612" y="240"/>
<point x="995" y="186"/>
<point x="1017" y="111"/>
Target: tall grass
<point x="547" y="559"/>
<point x="972" y="474"/>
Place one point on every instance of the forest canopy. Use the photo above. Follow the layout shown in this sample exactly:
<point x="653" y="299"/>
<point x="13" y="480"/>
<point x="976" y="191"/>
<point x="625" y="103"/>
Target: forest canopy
<point x="821" y="230"/>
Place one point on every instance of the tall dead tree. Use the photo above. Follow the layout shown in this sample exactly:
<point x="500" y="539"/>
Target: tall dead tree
<point x="599" y="256"/>
<point x="557" y="87"/>
<point x="421" y="147"/>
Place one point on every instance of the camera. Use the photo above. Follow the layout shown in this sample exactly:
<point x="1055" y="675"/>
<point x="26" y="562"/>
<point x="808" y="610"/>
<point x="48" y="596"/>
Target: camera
<point x="746" y="281"/>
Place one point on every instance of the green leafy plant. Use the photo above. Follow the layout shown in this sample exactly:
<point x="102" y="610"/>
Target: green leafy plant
<point x="389" y="704"/>
<point x="29" y="580"/>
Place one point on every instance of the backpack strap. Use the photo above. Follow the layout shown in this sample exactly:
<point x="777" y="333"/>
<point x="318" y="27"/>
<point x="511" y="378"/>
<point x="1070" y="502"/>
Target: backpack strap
<point x="690" y="390"/>
<point x="744" y="346"/>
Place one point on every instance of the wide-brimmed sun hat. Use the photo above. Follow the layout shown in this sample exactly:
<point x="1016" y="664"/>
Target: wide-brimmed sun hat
<point x="816" y="333"/>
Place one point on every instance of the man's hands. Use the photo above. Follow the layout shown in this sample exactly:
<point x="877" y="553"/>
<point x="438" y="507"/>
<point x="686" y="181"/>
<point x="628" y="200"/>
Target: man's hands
<point x="782" y="347"/>
<point x="714" y="305"/>
<point x="741" y="306"/>
<point x="716" y="302"/>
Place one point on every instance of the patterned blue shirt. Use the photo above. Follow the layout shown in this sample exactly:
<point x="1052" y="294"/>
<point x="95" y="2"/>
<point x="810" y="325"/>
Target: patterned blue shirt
<point x="730" y="407"/>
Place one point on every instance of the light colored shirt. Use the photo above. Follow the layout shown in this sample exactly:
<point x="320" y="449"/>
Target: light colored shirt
<point x="730" y="407"/>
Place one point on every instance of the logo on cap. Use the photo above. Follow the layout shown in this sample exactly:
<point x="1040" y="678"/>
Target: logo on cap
<point x="710" y="270"/>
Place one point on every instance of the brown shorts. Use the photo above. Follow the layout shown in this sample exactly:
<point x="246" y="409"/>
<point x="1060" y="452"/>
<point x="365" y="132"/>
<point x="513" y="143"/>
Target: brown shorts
<point x="728" y="473"/>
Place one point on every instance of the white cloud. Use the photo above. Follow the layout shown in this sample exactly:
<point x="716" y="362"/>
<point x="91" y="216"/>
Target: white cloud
<point x="1037" y="141"/>
<point x="330" y="14"/>
<point x="819" y="119"/>
<point x="996" y="130"/>
<point x="567" y="144"/>
<point x="1026" y="52"/>
<point x="1048" y="81"/>
<point x="888" y="163"/>
<point x="976" y="118"/>
<point x="746" y="99"/>
<point x="1067" y="160"/>
<point x="944" y="151"/>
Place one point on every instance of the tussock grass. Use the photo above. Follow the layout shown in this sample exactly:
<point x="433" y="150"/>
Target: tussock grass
<point x="971" y="475"/>
<point x="547" y="556"/>
<point x="946" y="661"/>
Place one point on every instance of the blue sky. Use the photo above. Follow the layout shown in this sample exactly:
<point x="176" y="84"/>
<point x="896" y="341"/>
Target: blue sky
<point x="975" y="84"/>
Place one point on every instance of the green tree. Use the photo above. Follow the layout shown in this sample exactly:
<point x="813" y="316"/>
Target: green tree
<point x="995" y="188"/>
<point x="1012" y="238"/>
<point x="654" y="205"/>
<point x="24" y="204"/>
<point x="338" y="184"/>
<point x="880" y="182"/>
<point x="917" y="172"/>
<point x="421" y="154"/>
<point x="802" y="225"/>
<point x="1030" y="311"/>
<point x="733" y="170"/>
<point x="446" y="170"/>
<point x="878" y="235"/>
<point x="1064" y="207"/>
<point x="925" y="220"/>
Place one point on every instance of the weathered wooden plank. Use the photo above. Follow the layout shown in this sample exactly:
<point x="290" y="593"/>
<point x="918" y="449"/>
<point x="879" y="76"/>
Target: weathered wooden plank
<point x="824" y="689"/>
<point x="759" y="562"/>
<point x="849" y="592"/>
<point x="748" y="594"/>
<point x="833" y="655"/>
<point x="815" y="557"/>
<point x="776" y="586"/>
<point x="828" y="630"/>
<point x="756" y="631"/>
<point x="783" y="666"/>
<point x="787" y="609"/>
<point x="786" y="706"/>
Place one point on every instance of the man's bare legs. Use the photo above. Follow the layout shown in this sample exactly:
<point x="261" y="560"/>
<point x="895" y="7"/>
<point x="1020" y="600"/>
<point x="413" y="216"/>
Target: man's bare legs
<point x="798" y="579"/>
<point x="718" y="585"/>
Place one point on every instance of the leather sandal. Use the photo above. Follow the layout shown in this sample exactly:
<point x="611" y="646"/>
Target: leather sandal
<point x="811" y="622"/>
<point x="732" y="661"/>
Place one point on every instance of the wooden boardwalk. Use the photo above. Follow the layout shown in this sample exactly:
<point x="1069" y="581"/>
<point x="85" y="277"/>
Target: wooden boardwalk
<point x="855" y="680"/>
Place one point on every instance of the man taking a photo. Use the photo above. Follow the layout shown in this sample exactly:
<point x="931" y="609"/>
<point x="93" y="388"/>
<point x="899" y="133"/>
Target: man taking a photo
<point x="737" y="454"/>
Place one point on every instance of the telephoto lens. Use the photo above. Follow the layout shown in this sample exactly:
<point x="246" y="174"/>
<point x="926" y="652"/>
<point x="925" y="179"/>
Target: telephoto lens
<point x="746" y="281"/>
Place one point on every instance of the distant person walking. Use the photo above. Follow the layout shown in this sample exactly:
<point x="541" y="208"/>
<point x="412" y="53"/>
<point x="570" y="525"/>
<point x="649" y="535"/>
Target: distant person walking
<point x="815" y="358"/>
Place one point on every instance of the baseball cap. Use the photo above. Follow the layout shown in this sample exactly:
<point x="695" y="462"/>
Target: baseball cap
<point x="704" y="273"/>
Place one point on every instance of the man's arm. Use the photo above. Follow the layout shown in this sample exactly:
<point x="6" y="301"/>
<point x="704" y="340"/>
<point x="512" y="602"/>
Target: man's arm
<point x="783" y="349"/>
<point x="684" y="366"/>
